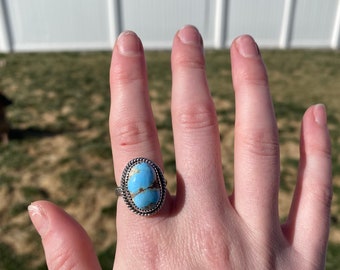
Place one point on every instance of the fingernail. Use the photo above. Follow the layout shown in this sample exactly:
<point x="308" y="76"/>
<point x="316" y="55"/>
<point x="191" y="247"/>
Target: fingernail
<point x="320" y="114"/>
<point x="38" y="218"/>
<point x="129" y="44"/>
<point x="190" y="35"/>
<point x="247" y="47"/>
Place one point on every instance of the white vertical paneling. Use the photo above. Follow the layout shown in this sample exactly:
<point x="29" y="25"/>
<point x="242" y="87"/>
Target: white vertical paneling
<point x="335" y="41"/>
<point x="220" y="23"/>
<point x="156" y="21"/>
<point x="59" y="24"/>
<point x="313" y="23"/>
<point x="114" y="19"/>
<point x="5" y="40"/>
<point x="287" y="23"/>
<point x="49" y="25"/>
<point x="261" y="19"/>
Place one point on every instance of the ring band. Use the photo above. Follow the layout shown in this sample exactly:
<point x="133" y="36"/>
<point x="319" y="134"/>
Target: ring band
<point x="143" y="186"/>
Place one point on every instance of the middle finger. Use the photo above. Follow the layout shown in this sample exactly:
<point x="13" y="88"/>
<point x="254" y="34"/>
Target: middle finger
<point x="195" y="126"/>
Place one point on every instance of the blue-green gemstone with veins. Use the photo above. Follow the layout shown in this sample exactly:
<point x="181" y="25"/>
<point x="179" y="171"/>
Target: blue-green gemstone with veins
<point x="143" y="186"/>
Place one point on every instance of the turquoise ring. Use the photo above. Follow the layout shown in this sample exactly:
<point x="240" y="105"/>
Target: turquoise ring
<point x="143" y="186"/>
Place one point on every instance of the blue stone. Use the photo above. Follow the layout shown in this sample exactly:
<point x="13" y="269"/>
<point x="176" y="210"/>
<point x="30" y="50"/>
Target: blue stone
<point x="141" y="176"/>
<point x="147" y="198"/>
<point x="143" y="186"/>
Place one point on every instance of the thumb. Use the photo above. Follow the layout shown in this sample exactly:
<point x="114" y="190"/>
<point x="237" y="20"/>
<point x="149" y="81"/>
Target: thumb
<point x="65" y="242"/>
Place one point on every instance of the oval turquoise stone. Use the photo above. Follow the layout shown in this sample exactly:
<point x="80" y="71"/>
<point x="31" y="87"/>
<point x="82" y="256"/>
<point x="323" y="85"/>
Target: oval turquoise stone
<point x="143" y="186"/>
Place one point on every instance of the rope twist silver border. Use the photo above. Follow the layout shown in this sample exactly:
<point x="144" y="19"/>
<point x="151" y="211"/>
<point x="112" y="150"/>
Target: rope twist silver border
<point x="123" y="191"/>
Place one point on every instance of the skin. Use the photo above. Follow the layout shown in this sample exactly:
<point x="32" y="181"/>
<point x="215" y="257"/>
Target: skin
<point x="203" y="227"/>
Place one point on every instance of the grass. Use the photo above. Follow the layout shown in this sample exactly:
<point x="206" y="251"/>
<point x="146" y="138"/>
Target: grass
<point x="60" y="149"/>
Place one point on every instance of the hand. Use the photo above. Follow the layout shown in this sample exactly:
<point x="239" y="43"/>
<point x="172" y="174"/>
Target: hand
<point x="203" y="227"/>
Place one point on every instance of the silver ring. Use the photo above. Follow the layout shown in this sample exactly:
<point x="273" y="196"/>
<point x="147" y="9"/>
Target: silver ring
<point x="143" y="187"/>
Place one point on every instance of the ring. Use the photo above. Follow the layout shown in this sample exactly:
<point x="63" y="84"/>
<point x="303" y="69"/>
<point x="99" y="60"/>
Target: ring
<point x="143" y="186"/>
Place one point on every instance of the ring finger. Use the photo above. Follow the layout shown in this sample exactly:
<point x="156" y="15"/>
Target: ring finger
<point x="132" y="127"/>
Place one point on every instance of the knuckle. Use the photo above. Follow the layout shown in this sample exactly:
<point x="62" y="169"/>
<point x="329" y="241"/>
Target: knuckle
<point x="320" y="149"/>
<point x="253" y="77"/>
<point x="63" y="259"/>
<point x="133" y="133"/>
<point x="323" y="195"/>
<point x="184" y="61"/>
<point x="122" y="75"/>
<point x="197" y="117"/>
<point x="260" y="143"/>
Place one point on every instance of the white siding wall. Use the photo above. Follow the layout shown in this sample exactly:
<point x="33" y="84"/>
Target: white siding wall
<point x="262" y="19"/>
<point x="50" y="25"/>
<point x="157" y="21"/>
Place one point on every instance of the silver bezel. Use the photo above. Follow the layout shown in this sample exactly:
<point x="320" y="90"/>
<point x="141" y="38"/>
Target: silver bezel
<point x="123" y="190"/>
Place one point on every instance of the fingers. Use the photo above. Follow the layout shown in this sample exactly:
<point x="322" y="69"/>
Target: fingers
<point x="256" y="139"/>
<point x="132" y="127"/>
<point x="195" y="127"/>
<point x="66" y="244"/>
<point x="308" y="223"/>
<point x="133" y="134"/>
